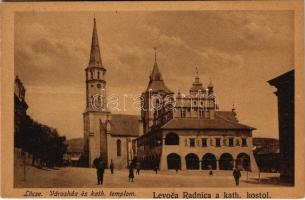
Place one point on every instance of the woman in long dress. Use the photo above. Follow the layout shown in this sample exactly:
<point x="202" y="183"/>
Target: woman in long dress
<point x="131" y="174"/>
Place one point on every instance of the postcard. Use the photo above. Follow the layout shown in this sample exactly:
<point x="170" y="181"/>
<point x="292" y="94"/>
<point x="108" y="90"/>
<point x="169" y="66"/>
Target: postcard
<point x="187" y="100"/>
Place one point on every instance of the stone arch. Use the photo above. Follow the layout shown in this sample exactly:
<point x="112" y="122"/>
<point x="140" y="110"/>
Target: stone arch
<point x="192" y="161"/>
<point x="226" y="162"/>
<point x="172" y="139"/>
<point x="173" y="161"/>
<point x="243" y="161"/>
<point x="208" y="161"/>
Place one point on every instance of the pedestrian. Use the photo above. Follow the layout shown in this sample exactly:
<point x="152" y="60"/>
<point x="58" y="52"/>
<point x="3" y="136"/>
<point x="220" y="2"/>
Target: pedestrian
<point x="211" y="170"/>
<point x="131" y="174"/>
<point x="237" y="175"/>
<point x="156" y="169"/>
<point x="138" y="167"/>
<point x="100" y="169"/>
<point x="111" y="167"/>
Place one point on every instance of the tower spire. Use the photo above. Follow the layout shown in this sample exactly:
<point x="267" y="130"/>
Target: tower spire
<point x="95" y="55"/>
<point x="155" y="74"/>
<point x="155" y="48"/>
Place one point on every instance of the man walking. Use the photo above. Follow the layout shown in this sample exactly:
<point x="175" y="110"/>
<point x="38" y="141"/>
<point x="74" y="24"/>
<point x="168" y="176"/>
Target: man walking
<point x="100" y="169"/>
<point x="237" y="175"/>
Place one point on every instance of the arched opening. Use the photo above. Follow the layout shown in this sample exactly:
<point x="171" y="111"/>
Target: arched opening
<point x="226" y="162"/>
<point x="118" y="148"/>
<point x="243" y="162"/>
<point x="172" y="139"/>
<point x="173" y="161"/>
<point x="192" y="161"/>
<point x="208" y="162"/>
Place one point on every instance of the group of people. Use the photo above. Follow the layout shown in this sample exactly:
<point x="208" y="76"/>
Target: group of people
<point x="100" y="170"/>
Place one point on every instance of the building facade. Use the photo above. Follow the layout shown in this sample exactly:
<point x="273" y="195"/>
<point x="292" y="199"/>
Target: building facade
<point x="105" y="134"/>
<point x="285" y="97"/>
<point x="191" y="132"/>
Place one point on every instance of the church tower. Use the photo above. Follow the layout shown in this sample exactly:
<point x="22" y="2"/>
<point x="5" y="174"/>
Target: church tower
<point x="153" y="97"/>
<point x="96" y="112"/>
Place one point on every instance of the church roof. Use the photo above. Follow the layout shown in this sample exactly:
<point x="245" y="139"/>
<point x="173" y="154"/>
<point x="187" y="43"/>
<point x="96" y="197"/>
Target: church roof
<point x="222" y="121"/>
<point x="95" y="55"/>
<point x="156" y="82"/>
<point x="125" y="125"/>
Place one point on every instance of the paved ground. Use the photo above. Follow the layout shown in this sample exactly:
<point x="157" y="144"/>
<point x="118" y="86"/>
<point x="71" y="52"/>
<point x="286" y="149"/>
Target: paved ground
<point x="84" y="177"/>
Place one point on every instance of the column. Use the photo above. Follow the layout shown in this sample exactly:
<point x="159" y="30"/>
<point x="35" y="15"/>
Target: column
<point x="183" y="164"/>
<point x="217" y="164"/>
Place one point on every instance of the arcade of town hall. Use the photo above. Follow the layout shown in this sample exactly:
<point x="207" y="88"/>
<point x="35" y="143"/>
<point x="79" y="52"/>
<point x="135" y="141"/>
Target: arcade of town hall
<point x="173" y="131"/>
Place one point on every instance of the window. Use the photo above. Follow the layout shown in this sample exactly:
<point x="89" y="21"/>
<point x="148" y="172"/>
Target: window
<point x="201" y="113"/>
<point x="237" y="142"/>
<point x="244" y="142"/>
<point x="183" y="114"/>
<point x="204" y="142"/>
<point x="98" y="75"/>
<point x="98" y="85"/>
<point x="217" y="142"/>
<point x="172" y="139"/>
<point x="91" y="74"/>
<point x="231" y="142"/>
<point x="118" y="148"/>
<point x="192" y="142"/>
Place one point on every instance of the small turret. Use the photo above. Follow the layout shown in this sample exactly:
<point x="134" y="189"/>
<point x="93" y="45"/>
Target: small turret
<point x="210" y="88"/>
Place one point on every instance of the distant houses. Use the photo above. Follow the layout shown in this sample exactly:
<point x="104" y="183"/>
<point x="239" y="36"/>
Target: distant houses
<point x="267" y="154"/>
<point x="72" y="157"/>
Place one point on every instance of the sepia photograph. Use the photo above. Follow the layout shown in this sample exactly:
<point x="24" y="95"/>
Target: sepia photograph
<point x="160" y="98"/>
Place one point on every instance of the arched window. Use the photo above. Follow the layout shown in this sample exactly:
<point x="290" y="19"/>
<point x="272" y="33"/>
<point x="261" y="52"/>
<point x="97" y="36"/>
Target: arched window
<point x="118" y="148"/>
<point x="172" y="139"/>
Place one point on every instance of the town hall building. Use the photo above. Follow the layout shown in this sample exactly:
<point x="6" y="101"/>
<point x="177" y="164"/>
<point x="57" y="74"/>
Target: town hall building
<point x="191" y="132"/>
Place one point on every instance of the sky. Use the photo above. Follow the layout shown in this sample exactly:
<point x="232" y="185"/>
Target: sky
<point x="239" y="51"/>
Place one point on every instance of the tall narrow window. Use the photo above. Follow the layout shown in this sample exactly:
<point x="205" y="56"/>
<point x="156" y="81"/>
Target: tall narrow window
<point x="118" y="148"/>
<point x="183" y="113"/>
<point x="204" y="142"/>
<point x="217" y="142"/>
<point x="98" y="75"/>
<point x="192" y="142"/>
<point x="231" y="142"/>
<point x="244" y="142"/>
<point x="91" y="74"/>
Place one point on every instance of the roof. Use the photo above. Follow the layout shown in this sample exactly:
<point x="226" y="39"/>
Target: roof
<point x="125" y="125"/>
<point x="157" y="86"/>
<point x="75" y="145"/>
<point x="286" y="78"/>
<point x="156" y="82"/>
<point x="222" y="121"/>
<point x="95" y="55"/>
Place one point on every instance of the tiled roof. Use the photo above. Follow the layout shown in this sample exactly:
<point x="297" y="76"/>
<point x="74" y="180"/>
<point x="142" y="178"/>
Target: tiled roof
<point x="157" y="86"/>
<point x="228" y="115"/>
<point x="222" y="120"/>
<point x="124" y="125"/>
